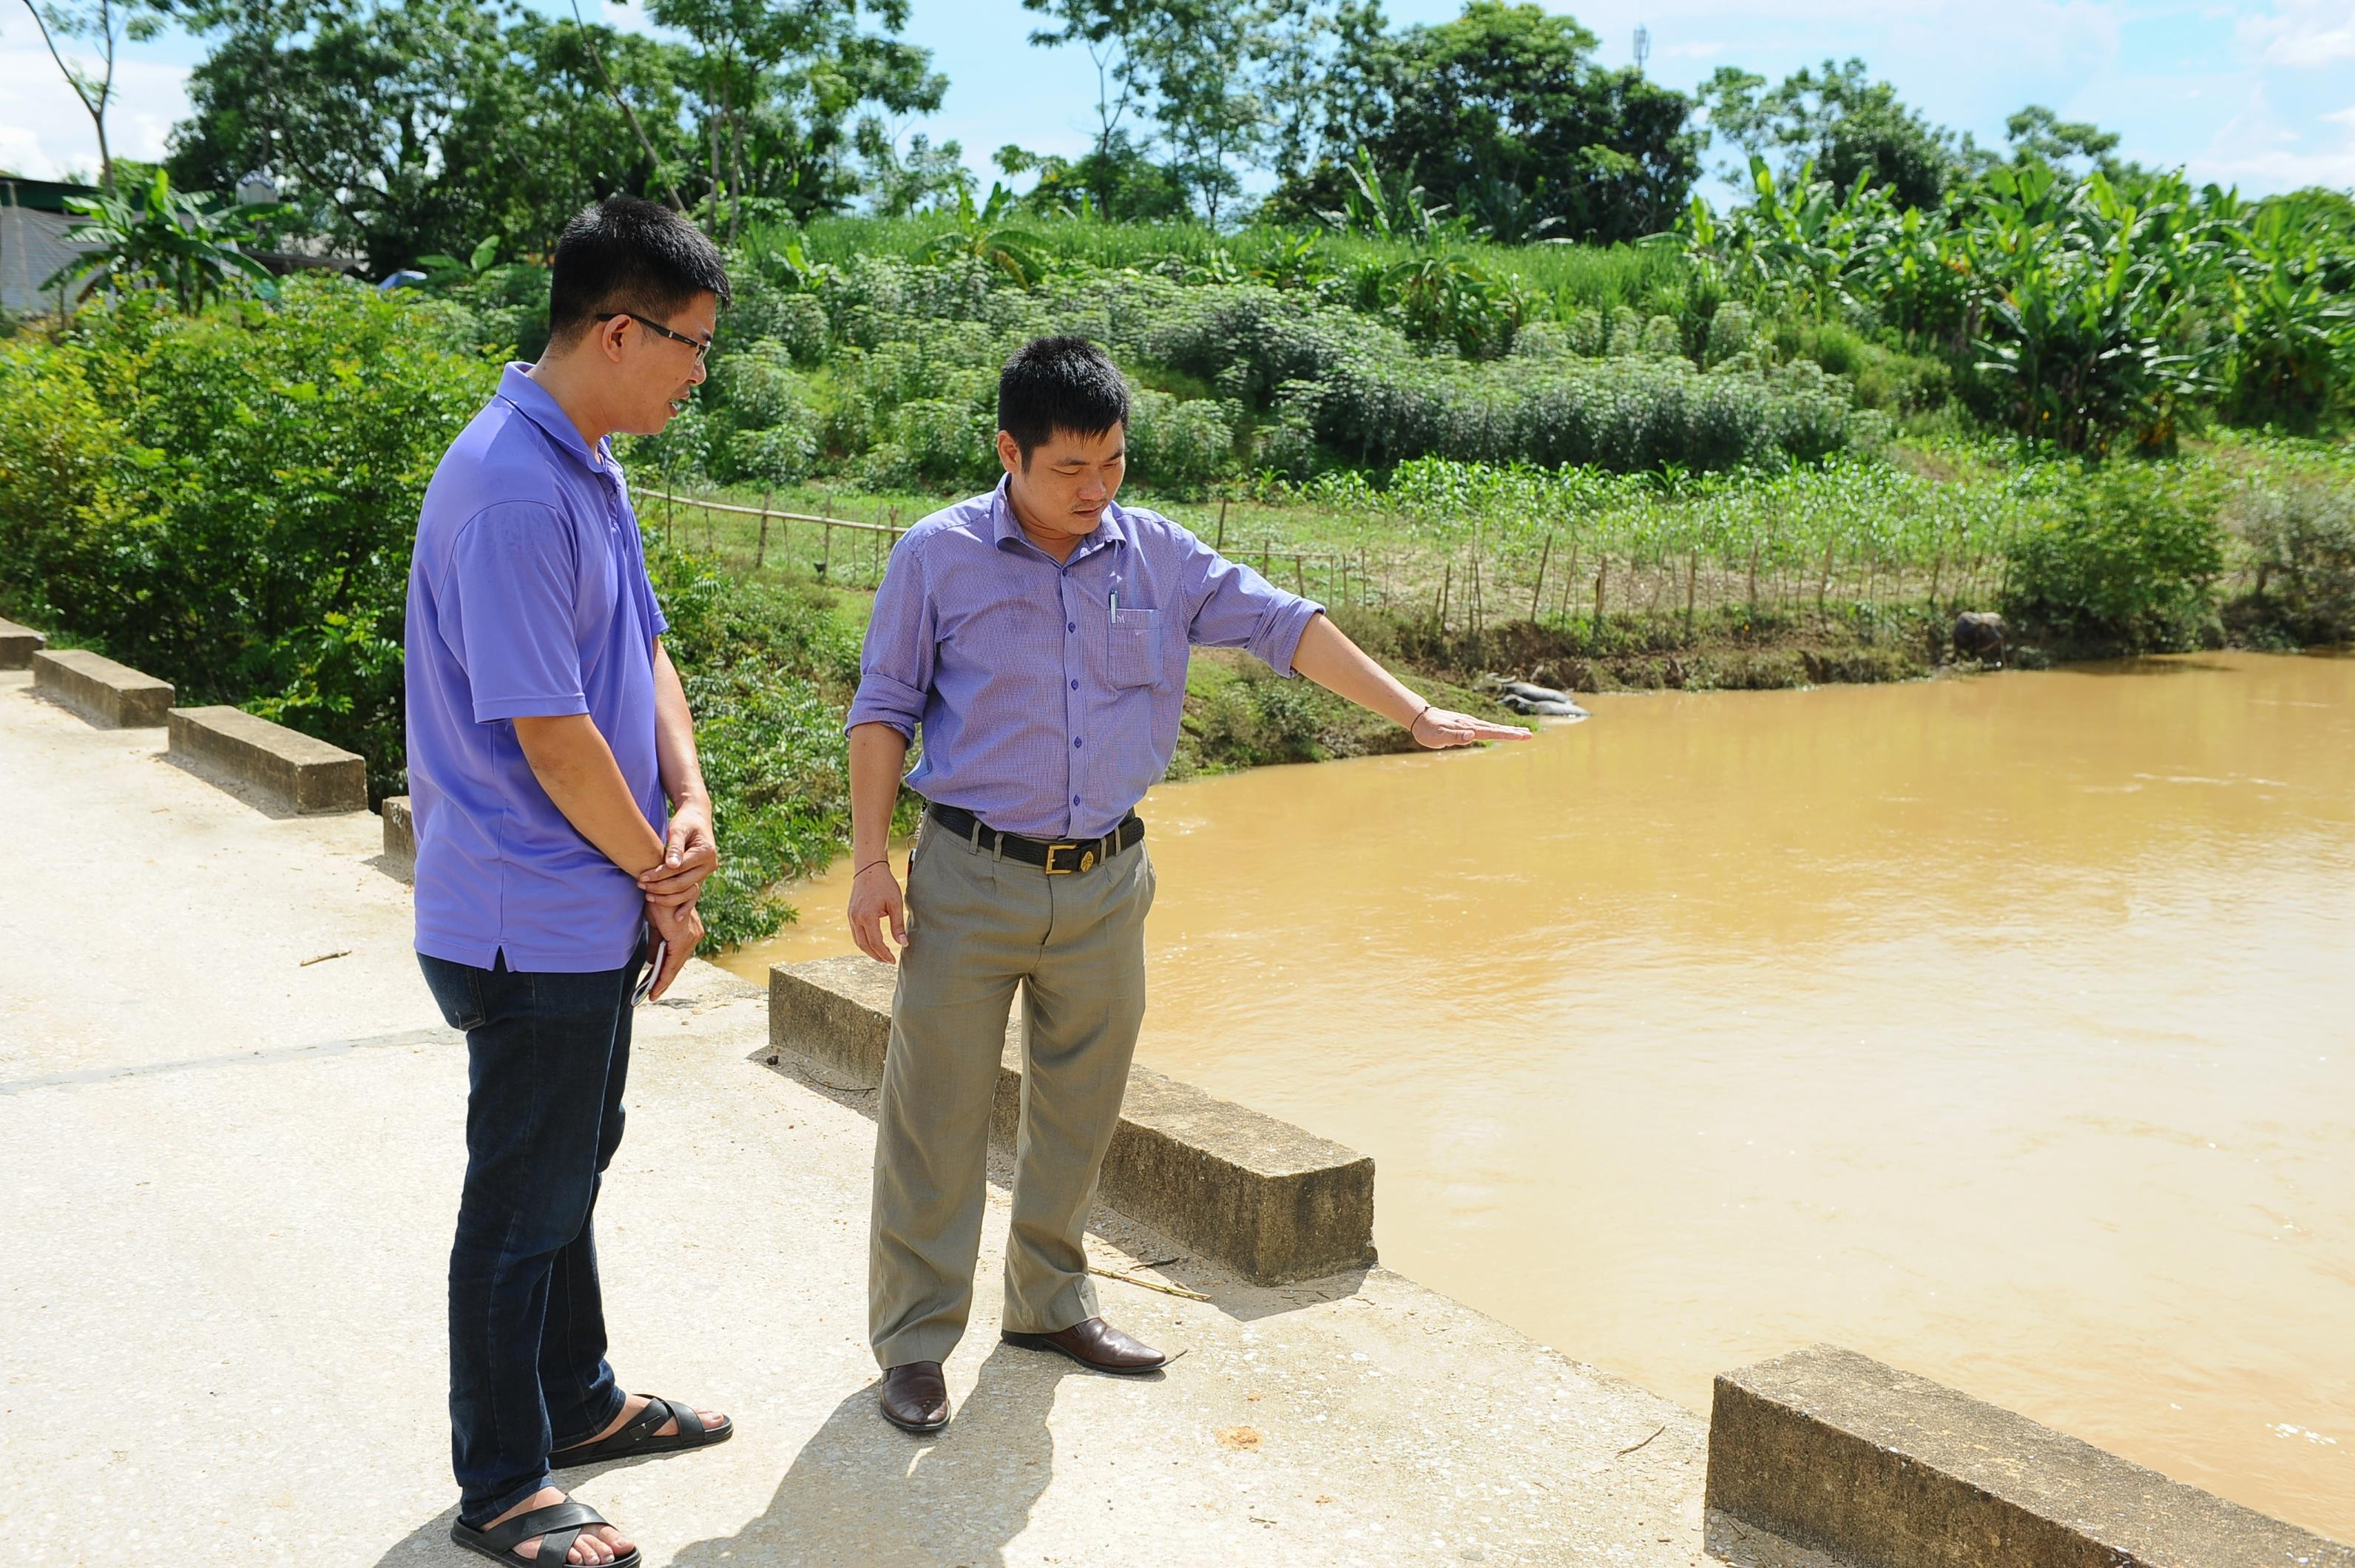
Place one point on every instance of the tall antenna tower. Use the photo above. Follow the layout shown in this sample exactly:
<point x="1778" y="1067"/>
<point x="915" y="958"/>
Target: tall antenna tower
<point x="1643" y="46"/>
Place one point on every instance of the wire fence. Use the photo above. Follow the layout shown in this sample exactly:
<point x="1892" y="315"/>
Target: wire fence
<point x="1565" y="575"/>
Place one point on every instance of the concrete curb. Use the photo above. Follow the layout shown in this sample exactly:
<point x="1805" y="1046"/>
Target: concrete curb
<point x="1834" y="1452"/>
<point x="110" y="695"/>
<point x="1254" y="1194"/>
<point x="400" y="837"/>
<point x="19" y="644"/>
<point x="290" y="770"/>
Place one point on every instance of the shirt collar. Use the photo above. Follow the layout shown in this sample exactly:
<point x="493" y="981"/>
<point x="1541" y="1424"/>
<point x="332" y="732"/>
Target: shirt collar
<point x="1003" y="526"/>
<point x="532" y="401"/>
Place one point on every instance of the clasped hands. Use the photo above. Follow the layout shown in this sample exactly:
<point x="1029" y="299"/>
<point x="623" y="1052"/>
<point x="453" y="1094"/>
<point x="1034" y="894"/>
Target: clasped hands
<point x="690" y="854"/>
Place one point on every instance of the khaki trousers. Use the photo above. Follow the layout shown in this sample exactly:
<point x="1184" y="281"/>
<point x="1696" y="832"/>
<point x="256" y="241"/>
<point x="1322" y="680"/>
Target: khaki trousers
<point x="978" y="927"/>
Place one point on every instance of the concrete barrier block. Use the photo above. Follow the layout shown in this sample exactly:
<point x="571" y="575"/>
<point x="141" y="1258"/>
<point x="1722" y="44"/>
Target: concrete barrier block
<point x="1836" y="1453"/>
<point x="19" y="644"/>
<point x="1249" y="1192"/>
<point x="285" y="767"/>
<point x="400" y="834"/>
<point x="110" y="695"/>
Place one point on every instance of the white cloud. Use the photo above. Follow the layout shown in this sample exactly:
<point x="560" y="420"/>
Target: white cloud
<point x="2258" y="151"/>
<point x="45" y="134"/>
<point x="2301" y="33"/>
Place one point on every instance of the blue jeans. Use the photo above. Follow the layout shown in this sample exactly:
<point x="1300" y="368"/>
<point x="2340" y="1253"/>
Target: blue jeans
<point x="547" y="1055"/>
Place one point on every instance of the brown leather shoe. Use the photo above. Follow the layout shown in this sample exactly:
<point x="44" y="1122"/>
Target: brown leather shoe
<point x="916" y="1397"/>
<point x="1096" y="1344"/>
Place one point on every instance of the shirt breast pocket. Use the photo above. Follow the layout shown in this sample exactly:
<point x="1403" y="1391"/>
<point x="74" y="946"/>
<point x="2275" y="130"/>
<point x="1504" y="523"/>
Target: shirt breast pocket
<point x="1134" y="654"/>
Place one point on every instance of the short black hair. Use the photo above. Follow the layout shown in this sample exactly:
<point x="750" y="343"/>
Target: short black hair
<point x="1059" y="383"/>
<point x="625" y="254"/>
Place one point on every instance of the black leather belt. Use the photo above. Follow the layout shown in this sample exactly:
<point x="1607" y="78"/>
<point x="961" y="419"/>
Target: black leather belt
<point x="1056" y="859"/>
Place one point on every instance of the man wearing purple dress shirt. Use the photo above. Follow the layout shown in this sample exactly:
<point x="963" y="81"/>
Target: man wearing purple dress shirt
<point x="1038" y="635"/>
<point x="547" y="729"/>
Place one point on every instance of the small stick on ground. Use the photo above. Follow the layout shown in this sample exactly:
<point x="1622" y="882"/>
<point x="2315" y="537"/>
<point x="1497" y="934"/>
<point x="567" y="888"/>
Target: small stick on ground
<point x="1178" y="1291"/>
<point x="322" y="958"/>
<point x="1632" y="1447"/>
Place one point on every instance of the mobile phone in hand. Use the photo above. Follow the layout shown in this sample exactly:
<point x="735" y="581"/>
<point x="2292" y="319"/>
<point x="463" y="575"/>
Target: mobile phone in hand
<point x="654" y="966"/>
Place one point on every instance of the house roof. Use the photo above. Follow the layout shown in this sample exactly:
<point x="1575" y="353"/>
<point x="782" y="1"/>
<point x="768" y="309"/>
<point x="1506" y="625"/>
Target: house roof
<point x="39" y="196"/>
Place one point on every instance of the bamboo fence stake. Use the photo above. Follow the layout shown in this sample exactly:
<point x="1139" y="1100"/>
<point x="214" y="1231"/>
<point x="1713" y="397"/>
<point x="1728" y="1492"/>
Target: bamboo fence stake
<point x="1602" y="572"/>
<point x="760" y="553"/>
<point x="1222" y="525"/>
<point x="1537" y="594"/>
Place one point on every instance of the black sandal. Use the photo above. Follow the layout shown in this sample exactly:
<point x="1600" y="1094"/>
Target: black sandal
<point x="637" y="1440"/>
<point x="558" y="1525"/>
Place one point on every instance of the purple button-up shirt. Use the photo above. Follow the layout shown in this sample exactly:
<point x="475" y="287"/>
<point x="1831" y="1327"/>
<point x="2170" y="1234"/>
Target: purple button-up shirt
<point x="527" y="597"/>
<point x="1050" y="694"/>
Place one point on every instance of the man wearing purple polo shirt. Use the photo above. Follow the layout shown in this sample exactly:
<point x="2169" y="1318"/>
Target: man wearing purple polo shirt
<point x="547" y="730"/>
<point x="1038" y="635"/>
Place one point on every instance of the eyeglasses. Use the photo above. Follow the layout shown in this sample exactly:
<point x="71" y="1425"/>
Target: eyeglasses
<point x="701" y="345"/>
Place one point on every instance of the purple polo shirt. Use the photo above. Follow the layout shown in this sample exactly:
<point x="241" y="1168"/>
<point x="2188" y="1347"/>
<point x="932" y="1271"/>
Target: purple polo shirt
<point x="527" y="597"/>
<point x="1051" y="693"/>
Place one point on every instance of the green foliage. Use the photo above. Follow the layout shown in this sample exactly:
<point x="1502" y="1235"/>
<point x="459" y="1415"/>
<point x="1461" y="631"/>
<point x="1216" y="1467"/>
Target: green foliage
<point x="227" y="499"/>
<point x="2126" y="558"/>
<point x="2088" y="314"/>
<point x="162" y="239"/>
<point x="2299" y="535"/>
<point x="1840" y="122"/>
<point x="1183" y="445"/>
<point x="413" y="127"/>
<point x="1508" y="121"/>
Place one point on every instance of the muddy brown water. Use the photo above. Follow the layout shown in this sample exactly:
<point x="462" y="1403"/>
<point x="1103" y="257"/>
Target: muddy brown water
<point x="2002" y="1029"/>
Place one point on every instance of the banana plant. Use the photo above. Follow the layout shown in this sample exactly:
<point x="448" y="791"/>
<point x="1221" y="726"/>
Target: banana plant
<point x="166" y="242"/>
<point x="1017" y="253"/>
<point x="2291" y="334"/>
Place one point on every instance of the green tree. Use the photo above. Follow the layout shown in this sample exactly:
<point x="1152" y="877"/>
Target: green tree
<point x="776" y="85"/>
<point x="1503" y="111"/>
<point x="1220" y="82"/>
<point x="404" y="129"/>
<point x="1849" y="126"/>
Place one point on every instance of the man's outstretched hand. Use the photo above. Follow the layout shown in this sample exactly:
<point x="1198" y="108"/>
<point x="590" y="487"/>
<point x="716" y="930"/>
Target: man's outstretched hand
<point x="1436" y="729"/>
<point x="875" y="903"/>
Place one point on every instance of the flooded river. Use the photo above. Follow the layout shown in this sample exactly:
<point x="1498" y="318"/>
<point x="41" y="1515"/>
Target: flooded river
<point x="2003" y="1028"/>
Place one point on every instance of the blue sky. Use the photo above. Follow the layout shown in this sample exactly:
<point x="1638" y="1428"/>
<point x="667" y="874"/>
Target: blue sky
<point x="2261" y="95"/>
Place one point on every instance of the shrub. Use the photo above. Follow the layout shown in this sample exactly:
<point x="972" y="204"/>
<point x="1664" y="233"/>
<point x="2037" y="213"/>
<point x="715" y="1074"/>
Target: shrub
<point x="1176" y="448"/>
<point x="2125" y="560"/>
<point x="227" y="500"/>
<point x="2301" y="537"/>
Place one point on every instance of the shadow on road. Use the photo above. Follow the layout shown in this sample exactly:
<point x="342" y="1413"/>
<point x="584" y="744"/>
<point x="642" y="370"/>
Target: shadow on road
<point x="863" y="1491"/>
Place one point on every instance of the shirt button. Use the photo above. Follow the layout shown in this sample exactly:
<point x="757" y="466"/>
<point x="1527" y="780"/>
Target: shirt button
<point x="1078" y="742"/>
<point x="1070" y="626"/>
<point x="1075" y="685"/>
<point x="1075" y="800"/>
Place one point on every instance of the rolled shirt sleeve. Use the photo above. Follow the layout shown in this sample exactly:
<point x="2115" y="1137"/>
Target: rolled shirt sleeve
<point x="1235" y="607"/>
<point x="895" y="667"/>
<point x="515" y="576"/>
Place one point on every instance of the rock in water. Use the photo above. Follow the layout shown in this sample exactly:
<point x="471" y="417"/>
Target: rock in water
<point x="1979" y="635"/>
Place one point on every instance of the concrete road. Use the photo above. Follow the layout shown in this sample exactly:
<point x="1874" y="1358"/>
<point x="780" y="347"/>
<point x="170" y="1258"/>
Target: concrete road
<point x="226" y="1181"/>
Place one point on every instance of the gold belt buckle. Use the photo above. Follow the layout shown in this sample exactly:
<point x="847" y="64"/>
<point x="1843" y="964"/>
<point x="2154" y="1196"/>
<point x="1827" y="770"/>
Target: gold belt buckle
<point x="1087" y="862"/>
